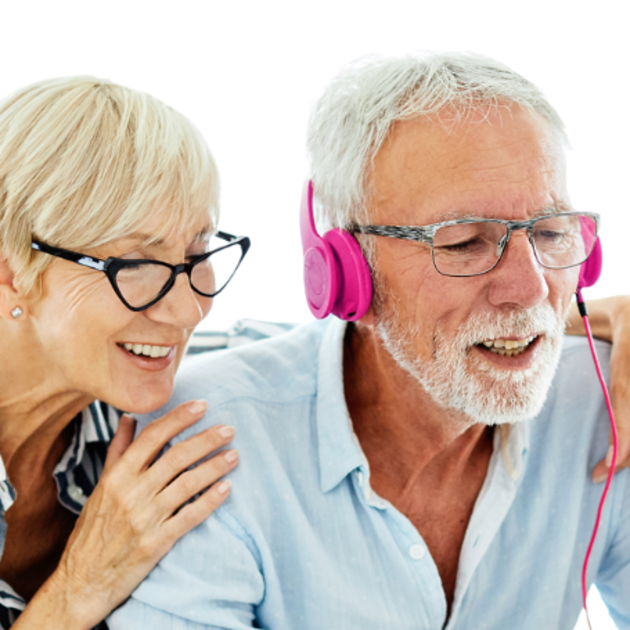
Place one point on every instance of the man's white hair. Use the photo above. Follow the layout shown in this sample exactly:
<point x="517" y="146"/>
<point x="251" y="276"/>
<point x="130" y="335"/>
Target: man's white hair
<point x="352" y="118"/>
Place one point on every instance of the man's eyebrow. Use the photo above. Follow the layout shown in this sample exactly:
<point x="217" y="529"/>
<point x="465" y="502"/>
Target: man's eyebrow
<point x="555" y="208"/>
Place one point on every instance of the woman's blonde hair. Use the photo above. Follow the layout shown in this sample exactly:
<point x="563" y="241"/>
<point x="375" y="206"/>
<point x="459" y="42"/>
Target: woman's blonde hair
<point x="85" y="161"/>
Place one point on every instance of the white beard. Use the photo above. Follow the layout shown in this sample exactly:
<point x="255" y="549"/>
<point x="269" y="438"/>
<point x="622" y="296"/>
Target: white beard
<point x="456" y="380"/>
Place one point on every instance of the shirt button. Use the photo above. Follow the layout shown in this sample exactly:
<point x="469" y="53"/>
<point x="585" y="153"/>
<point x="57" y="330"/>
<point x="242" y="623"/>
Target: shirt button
<point x="417" y="552"/>
<point x="76" y="494"/>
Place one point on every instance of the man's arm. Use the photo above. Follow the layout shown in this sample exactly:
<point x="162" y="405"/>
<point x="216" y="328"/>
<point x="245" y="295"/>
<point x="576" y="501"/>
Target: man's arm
<point x="610" y="321"/>
<point x="613" y="574"/>
<point x="210" y="580"/>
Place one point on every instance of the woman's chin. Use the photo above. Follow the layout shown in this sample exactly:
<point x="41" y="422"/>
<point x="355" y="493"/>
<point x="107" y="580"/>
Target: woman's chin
<point x="145" y="398"/>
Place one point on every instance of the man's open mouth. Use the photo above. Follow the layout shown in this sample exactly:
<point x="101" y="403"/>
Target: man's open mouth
<point x="508" y="347"/>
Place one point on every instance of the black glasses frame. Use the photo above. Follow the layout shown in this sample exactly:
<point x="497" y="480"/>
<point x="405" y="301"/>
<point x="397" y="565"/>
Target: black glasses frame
<point x="426" y="234"/>
<point x="112" y="266"/>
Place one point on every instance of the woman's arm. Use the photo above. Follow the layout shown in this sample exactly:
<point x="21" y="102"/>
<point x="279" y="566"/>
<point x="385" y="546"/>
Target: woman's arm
<point x="132" y="518"/>
<point x="610" y="320"/>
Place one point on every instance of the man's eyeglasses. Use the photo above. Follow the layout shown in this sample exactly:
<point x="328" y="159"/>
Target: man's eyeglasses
<point x="472" y="247"/>
<point x="141" y="283"/>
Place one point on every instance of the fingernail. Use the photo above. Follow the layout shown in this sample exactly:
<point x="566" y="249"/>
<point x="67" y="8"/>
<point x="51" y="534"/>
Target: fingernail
<point x="223" y="487"/>
<point x="226" y="431"/>
<point x="609" y="455"/>
<point x="230" y="456"/>
<point x="600" y="478"/>
<point x="197" y="406"/>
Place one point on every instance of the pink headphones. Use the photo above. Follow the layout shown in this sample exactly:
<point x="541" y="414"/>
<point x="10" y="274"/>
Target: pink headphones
<point x="337" y="277"/>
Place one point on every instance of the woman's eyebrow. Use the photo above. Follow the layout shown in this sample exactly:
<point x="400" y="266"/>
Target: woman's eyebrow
<point x="150" y="240"/>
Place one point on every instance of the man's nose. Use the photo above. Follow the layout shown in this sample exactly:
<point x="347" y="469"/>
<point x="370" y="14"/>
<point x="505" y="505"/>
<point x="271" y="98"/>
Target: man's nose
<point x="518" y="279"/>
<point x="181" y="306"/>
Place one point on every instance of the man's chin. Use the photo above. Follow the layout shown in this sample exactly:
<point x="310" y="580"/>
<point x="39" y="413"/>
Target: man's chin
<point x="457" y="380"/>
<point x="515" y="397"/>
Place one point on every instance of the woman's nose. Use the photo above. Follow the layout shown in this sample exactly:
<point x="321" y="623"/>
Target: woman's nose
<point x="181" y="306"/>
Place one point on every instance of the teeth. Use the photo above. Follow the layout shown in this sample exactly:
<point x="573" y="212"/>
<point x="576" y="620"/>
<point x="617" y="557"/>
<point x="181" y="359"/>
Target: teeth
<point x="508" y="347"/>
<point x="155" y="352"/>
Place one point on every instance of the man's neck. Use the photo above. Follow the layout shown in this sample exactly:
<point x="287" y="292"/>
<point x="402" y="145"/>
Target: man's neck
<point x="428" y="462"/>
<point x="393" y="416"/>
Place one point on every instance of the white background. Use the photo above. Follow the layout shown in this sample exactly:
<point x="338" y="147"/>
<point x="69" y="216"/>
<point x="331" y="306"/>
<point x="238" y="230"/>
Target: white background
<point x="246" y="73"/>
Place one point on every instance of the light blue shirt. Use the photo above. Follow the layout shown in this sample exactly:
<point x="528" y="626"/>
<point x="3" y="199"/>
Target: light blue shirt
<point x="303" y="543"/>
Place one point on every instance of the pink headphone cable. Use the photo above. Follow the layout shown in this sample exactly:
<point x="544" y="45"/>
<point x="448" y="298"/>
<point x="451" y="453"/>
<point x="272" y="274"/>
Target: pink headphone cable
<point x="611" y="471"/>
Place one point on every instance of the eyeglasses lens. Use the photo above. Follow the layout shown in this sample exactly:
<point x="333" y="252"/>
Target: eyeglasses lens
<point x="212" y="274"/>
<point x="142" y="283"/>
<point x="467" y="249"/>
<point x="564" y="241"/>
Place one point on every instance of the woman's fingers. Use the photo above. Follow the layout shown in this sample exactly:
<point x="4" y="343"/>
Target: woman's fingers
<point x="152" y="439"/>
<point x="184" y="454"/>
<point x="121" y="440"/>
<point x="193" y="481"/>
<point x="141" y="505"/>
<point x="197" y="511"/>
<point x="619" y="386"/>
<point x="600" y="472"/>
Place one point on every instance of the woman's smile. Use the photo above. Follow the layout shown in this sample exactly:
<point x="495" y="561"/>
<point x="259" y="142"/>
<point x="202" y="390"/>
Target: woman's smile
<point x="149" y="357"/>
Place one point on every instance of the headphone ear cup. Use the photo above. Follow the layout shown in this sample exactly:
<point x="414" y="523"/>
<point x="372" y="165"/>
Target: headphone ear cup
<point x="591" y="268"/>
<point x="354" y="294"/>
<point x="321" y="278"/>
<point x="337" y="278"/>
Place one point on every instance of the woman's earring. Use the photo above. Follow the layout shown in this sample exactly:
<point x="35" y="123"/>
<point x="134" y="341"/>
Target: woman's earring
<point x="16" y="312"/>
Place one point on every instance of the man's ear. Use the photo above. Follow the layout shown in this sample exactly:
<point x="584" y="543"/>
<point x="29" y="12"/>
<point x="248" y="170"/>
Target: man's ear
<point x="369" y="319"/>
<point x="10" y="297"/>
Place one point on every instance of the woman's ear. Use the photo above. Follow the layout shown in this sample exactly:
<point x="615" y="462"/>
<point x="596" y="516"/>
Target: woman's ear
<point x="12" y="304"/>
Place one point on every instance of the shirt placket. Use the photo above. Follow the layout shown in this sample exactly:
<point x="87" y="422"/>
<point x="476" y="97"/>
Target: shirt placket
<point x="426" y="591"/>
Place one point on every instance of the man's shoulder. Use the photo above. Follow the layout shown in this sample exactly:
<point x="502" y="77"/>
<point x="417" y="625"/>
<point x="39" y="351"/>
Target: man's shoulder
<point x="575" y="411"/>
<point x="576" y="378"/>
<point x="278" y="369"/>
<point x="577" y="361"/>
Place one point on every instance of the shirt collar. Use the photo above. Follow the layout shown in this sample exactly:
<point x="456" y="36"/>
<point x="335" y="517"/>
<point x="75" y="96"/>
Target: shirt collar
<point x="513" y="440"/>
<point x="96" y="423"/>
<point x="339" y="450"/>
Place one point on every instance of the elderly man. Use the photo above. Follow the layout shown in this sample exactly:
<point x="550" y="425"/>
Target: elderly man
<point x="422" y="467"/>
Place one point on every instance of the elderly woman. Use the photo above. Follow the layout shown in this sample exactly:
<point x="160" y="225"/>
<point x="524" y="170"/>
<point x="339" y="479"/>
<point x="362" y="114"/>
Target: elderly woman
<point x="109" y="257"/>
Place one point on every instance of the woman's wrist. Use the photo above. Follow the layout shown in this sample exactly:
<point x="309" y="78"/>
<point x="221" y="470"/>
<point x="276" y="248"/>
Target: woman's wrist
<point x="56" y="607"/>
<point x="619" y="316"/>
<point x="609" y="318"/>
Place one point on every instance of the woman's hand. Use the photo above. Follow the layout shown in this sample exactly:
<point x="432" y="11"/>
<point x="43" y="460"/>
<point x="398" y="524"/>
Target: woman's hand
<point x="133" y="518"/>
<point x="610" y="320"/>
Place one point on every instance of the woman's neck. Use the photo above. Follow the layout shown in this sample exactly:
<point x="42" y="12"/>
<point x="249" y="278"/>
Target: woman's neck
<point x="36" y="405"/>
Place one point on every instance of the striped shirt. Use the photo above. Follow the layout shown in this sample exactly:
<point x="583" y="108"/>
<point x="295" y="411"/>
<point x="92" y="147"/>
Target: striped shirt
<point x="75" y="475"/>
<point x="80" y="468"/>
